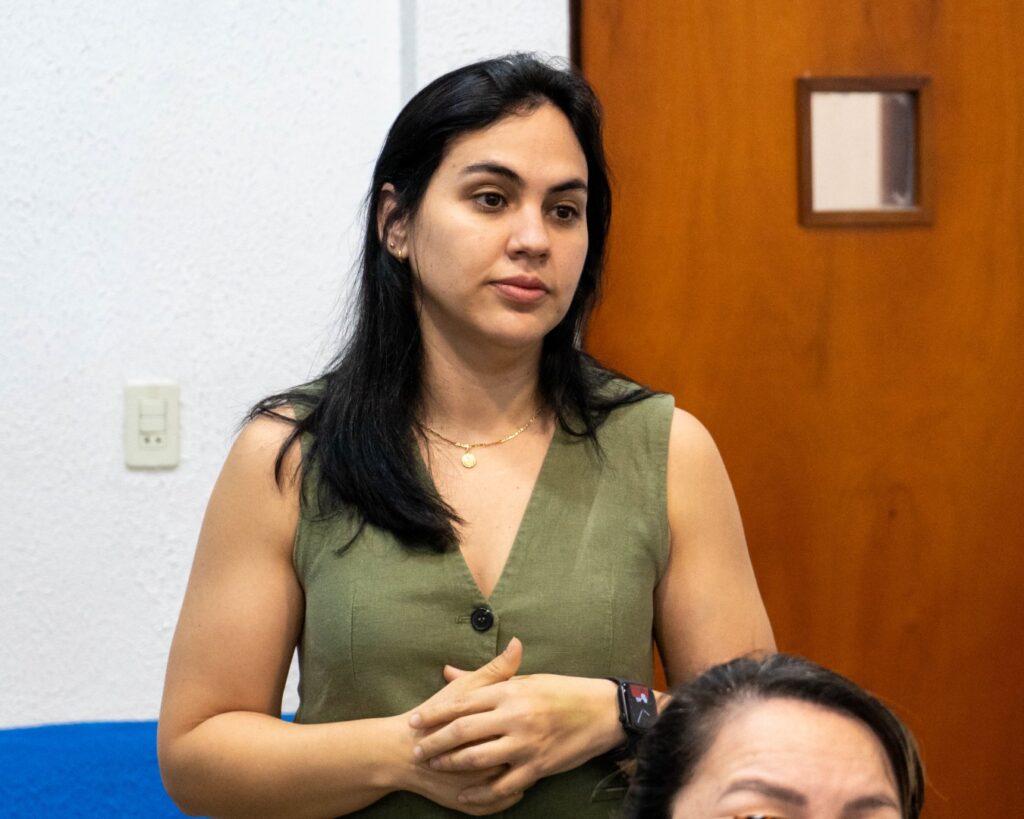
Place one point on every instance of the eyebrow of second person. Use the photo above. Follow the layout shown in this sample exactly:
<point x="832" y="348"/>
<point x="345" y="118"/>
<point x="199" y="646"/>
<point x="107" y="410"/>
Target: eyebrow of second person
<point x="869" y="803"/>
<point x="776" y="792"/>
<point x="792" y="797"/>
<point x="498" y="169"/>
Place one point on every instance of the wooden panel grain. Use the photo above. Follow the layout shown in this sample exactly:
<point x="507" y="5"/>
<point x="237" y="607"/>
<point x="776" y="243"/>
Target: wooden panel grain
<point x="866" y="386"/>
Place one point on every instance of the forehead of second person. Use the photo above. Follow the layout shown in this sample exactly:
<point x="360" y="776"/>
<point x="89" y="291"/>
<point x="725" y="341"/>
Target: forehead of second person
<point x="539" y="146"/>
<point x="789" y="758"/>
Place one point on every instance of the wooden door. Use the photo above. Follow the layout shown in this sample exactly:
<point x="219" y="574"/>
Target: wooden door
<point x="865" y="385"/>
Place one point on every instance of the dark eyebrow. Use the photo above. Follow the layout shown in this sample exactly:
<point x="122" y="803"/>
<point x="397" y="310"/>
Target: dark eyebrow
<point x="574" y="184"/>
<point x="872" y="802"/>
<point x="776" y="792"/>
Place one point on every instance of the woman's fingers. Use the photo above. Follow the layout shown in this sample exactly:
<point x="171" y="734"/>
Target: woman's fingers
<point x="451" y="701"/>
<point x="445" y="718"/>
<point x="487" y="774"/>
<point x="490" y="806"/>
<point x="508" y="786"/>
<point x="468" y="730"/>
<point x="451" y="673"/>
<point x="444" y="788"/>
<point x="499" y="751"/>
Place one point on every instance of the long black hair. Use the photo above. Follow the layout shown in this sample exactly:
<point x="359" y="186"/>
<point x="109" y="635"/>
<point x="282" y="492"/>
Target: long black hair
<point x="362" y="413"/>
<point x="674" y="746"/>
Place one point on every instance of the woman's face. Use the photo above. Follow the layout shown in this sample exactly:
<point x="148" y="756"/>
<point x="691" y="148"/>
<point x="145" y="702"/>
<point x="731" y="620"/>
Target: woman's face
<point x="500" y="237"/>
<point x="791" y="759"/>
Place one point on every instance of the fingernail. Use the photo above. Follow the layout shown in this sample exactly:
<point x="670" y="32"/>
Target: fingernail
<point x="417" y="752"/>
<point x="415" y="720"/>
<point x="508" y="648"/>
<point x="435" y="763"/>
<point x="463" y="798"/>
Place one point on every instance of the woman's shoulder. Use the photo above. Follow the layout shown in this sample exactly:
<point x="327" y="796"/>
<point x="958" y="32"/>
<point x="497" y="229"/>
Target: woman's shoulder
<point x="656" y="416"/>
<point x="641" y="412"/>
<point x="277" y="431"/>
<point x="293" y="404"/>
<point x="631" y="420"/>
<point x="254" y="502"/>
<point x="646" y="424"/>
<point x="627" y="400"/>
<point x="266" y="444"/>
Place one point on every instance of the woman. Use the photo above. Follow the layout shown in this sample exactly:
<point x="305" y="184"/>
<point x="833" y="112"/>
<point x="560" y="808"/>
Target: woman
<point x="460" y="476"/>
<point x="779" y="737"/>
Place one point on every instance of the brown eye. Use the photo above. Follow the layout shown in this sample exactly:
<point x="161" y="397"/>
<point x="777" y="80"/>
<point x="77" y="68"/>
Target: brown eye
<point x="490" y="200"/>
<point x="566" y="213"/>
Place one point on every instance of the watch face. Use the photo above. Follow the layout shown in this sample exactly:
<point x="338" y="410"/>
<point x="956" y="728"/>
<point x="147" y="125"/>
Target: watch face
<point x="642" y="709"/>
<point x="641" y="694"/>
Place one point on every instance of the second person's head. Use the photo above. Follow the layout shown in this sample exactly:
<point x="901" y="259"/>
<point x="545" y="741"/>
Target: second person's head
<point x="776" y="738"/>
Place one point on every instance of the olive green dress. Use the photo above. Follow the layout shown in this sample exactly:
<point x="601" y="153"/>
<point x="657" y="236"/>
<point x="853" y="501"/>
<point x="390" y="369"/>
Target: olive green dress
<point x="577" y="589"/>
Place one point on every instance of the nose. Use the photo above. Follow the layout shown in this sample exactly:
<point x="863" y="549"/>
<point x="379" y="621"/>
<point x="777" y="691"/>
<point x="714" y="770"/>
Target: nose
<point x="529" y="234"/>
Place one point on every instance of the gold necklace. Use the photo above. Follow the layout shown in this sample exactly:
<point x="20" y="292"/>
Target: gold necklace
<point x="468" y="458"/>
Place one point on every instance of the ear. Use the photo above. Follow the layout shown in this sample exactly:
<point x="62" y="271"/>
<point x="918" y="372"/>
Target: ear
<point x="395" y="241"/>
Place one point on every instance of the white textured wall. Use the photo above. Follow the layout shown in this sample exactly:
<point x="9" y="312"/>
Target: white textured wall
<point x="450" y="33"/>
<point x="179" y="194"/>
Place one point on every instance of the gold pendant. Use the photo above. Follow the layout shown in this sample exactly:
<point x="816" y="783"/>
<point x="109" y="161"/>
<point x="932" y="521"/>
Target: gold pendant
<point x="468" y="459"/>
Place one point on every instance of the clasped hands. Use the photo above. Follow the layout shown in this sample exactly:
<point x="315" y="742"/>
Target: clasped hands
<point x="496" y="733"/>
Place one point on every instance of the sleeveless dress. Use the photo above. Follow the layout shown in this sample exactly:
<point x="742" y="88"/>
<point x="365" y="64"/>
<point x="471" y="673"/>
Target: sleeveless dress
<point x="577" y="590"/>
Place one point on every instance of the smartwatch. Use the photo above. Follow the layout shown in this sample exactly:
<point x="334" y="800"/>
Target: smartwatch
<point x="637" y="711"/>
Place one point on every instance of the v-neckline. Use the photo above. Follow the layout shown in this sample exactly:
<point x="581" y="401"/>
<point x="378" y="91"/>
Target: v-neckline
<point x="531" y="502"/>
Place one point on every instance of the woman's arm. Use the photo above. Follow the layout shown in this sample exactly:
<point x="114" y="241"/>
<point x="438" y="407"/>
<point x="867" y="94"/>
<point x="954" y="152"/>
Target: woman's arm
<point x="223" y="749"/>
<point x="707" y="609"/>
<point x="707" y="606"/>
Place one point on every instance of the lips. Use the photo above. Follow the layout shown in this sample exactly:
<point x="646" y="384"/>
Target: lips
<point x="521" y="289"/>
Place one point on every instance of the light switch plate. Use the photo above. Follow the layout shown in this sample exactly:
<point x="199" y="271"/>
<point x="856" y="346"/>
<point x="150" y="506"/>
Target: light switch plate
<point x="152" y="433"/>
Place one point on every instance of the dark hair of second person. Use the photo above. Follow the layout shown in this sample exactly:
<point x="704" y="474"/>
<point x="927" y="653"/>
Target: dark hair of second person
<point x="670" y="756"/>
